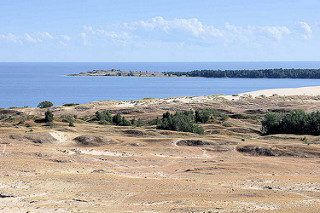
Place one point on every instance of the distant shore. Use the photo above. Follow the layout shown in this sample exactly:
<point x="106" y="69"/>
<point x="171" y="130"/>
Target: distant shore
<point x="118" y="73"/>
<point x="261" y="73"/>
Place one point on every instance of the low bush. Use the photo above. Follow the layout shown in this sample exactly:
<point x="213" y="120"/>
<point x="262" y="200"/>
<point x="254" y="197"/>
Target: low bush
<point x="45" y="104"/>
<point x="48" y="116"/>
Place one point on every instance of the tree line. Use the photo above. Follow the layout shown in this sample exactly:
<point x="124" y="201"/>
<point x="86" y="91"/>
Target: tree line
<point x="261" y="73"/>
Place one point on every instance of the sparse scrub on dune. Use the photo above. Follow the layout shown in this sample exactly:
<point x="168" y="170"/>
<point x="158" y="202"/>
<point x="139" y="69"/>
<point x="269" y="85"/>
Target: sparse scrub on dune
<point x="103" y="117"/>
<point x="70" y="119"/>
<point x="186" y="121"/>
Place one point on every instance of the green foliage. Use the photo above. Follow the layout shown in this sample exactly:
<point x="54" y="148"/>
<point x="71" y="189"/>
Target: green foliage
<point x="45" y="104"/>
<point x="296" y="122"/>
<point x="180" y="121"/>
<point x="133" y="121"/>
<point x="263" y="73"/>
<point x="71" y="123"/>
<point x="124" y="122"/>
<point x="116" y="119"/>
<point x="48" y="116"/>
<point x="103" y="117"/>
<point x="202" y="116"/>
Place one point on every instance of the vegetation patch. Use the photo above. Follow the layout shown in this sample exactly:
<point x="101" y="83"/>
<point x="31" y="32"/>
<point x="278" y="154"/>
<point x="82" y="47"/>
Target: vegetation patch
<point x="262" y="73"/>
<point x="45" y="104"/>
<point x="296" y="122"/>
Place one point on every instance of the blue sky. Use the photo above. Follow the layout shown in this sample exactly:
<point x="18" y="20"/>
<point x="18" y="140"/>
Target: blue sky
<point x="159" y="30"/>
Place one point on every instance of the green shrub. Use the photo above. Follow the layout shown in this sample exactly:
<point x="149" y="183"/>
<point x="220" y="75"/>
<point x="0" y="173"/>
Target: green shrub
<point x="71" y="123"/>
<point x="133" y="121"/>
<point x="45" y="104"/>
<point x="103" y="117"/>
<point x="180" y="121"/>
<point x="202" y="116"/>
<point x="116" y="119"/>
<point x="124" y="122"/>
<point x="48" y="116"/>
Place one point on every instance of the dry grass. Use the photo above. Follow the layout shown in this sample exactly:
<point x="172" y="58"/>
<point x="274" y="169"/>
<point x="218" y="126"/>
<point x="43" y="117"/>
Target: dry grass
<point x="153" y="170"/>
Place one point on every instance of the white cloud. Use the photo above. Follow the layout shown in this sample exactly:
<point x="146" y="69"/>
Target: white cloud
<point x="44" y="35"/>
<point x="102" y="34"/>
<point x="65" y="37"/>
<point x="192" y="26"/>
<point x="305" y="29"/>
<point x="208" y="33"/>
<point x="32" y="39"/>
<point x="274" y="32"/>
<point x="11" y="38"/>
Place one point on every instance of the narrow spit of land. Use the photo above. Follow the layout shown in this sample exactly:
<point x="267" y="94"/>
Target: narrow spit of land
<point x="118" y="73"/>
<point x="262" y="73"/>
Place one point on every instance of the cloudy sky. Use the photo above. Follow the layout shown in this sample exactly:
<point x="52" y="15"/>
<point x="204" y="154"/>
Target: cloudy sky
<point x="159" y="30"/>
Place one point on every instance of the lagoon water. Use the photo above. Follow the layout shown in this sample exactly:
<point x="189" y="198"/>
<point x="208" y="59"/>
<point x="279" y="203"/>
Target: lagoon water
<point x="27" y="84"/>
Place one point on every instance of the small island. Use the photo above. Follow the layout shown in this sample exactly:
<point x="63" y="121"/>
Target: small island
<point x="119" y="73"/>
<point x="262" y="73"/>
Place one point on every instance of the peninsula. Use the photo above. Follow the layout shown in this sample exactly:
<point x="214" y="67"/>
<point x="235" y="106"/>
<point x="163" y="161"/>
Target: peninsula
<point x="261" y="73"/>
<point x="118" y="73"/>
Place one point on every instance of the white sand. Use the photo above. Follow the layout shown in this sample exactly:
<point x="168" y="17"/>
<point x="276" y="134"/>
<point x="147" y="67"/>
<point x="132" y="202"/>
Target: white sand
<point x="309" y="91"/>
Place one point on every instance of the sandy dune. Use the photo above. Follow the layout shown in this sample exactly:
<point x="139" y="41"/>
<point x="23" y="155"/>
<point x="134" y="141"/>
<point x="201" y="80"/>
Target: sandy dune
<point x="310" y="91"/>
<point x="232" y="168"/>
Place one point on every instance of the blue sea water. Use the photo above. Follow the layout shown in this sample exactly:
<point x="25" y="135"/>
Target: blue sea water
<point x="27" y="84"/>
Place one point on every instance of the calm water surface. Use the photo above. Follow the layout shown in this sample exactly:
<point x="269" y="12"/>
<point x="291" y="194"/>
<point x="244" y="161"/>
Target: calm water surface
<point x="28" y="84"/>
